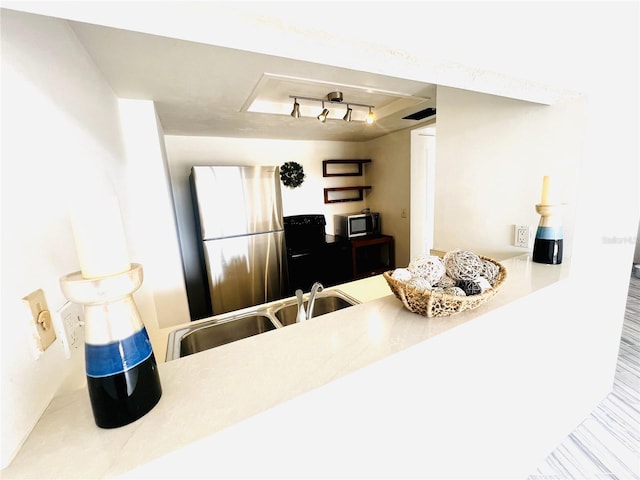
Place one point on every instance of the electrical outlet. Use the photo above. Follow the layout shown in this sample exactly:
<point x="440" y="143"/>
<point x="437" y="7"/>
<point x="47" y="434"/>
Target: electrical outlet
<point x="522" y="236"/>
<point x="69" y="324"/>
<point x="42" y="331"/>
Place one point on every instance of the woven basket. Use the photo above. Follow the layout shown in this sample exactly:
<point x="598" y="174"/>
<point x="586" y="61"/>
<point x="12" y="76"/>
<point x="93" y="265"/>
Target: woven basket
<point x="432" y="303"/>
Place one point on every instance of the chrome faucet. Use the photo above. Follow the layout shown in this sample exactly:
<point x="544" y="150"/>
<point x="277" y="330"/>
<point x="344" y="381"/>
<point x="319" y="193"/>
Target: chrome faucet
<point x="306" y="315"/>
<point x="302" y="315"/>
<point x="315" y="288"/>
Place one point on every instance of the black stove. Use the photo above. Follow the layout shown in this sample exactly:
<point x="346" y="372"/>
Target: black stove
<point x="303" y="232"/>
<point x="314" y="256"/>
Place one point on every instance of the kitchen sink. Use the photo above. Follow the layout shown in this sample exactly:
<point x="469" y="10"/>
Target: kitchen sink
<point x="286" y="315"/>
<point x="215" y="333"/>
<point x="233" y="326"/>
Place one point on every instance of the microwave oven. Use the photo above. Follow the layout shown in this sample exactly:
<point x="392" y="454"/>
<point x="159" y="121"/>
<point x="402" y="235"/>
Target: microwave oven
<point x="352" y="225"/>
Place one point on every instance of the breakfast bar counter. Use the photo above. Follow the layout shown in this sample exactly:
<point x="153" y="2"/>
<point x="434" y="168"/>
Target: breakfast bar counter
<point x="372" y="390"/>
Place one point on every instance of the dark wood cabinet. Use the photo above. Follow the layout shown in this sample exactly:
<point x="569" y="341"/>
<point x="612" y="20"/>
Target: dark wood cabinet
<point x="372" y="255"/>
<point x="337" y="263"/>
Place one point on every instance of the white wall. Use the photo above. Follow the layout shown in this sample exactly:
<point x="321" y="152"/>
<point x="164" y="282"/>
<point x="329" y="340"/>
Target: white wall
<point x="150" y="218"/>
<point x="492" y="155"/>
<point x="60" y="144"/>
<point x="183" y="152"/>
<point x="63" y="143"/>
<point x="390" y="173"/>
<point x="423" y="181"/>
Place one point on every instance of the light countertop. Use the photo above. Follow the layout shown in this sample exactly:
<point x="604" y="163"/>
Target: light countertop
<point x="231" y="402"/>
<point x="363" y="290"/>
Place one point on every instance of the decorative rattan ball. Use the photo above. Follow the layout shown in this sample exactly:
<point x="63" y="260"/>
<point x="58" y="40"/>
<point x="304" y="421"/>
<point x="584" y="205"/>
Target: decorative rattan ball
<point x="446" y="282"/>
<point x="429" y="267"/>
<point x="463" y="265"/>
<point x="455" y="291"/>
<point x="420" y="282"/>
<point x="484" y="283"/>
<point x="490" y="271"/>
<point x="401" y="274"/>
<point x="469" y="287"/>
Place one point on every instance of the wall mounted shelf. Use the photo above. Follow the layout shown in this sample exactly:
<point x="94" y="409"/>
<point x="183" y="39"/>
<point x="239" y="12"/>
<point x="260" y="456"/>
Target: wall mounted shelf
<point x="358" y="163"/>
<point x="359" y="190"/>
<point x="357" y="172"/>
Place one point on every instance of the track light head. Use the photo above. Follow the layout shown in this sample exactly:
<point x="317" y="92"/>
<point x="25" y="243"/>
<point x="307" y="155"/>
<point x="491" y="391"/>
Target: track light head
<point x="347" y="116"/>
<point x="323" y="116"/>
<point x="295" y="113"/>
<point x="371" y="118"/>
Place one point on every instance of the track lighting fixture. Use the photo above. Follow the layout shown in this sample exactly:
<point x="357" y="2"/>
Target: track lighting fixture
<point x="333" y="98"/>
<point x="323" y="116"/>
<point x="295" y="113"/>
<point x="347" y="116"/>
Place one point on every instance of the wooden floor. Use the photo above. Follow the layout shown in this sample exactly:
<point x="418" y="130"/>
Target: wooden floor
<point x="606" y="445"/>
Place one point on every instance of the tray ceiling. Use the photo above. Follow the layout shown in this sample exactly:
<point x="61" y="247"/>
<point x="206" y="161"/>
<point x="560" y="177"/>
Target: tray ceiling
<point x="206" y="90"/>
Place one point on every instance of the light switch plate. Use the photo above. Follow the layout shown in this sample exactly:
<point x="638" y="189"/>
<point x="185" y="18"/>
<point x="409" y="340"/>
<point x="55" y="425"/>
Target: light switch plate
<point x="42" y="332"/>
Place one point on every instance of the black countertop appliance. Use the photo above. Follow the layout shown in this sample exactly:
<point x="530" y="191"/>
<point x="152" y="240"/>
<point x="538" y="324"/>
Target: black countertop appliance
<point x="314" y="256"/>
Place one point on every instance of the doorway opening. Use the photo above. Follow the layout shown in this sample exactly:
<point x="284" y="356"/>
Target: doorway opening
<point x="423" y="169"/>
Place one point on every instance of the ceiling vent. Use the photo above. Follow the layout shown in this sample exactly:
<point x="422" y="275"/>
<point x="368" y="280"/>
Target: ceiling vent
<point x="427" y="112"/>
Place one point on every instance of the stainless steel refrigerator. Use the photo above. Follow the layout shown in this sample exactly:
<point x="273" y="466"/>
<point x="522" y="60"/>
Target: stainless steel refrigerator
<point x="238" y="214"/>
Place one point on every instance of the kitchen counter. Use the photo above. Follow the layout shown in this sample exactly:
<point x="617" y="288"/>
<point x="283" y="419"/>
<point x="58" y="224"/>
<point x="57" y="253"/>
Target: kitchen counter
<point x="363" y="290"/>
<point x="371" y="390"/>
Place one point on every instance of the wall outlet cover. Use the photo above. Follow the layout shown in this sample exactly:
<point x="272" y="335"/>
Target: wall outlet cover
<point x="69" y="324"/>
<point x="522" y="236"/>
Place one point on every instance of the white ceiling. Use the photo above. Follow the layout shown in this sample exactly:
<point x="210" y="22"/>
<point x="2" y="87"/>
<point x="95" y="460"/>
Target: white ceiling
<point x="205" y="90"/>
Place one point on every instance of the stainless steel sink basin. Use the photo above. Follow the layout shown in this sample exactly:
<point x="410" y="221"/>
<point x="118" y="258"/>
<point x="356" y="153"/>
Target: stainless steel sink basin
<point x="215" y="333"/>
<point x="233" y="326"/>
<point x="287" y="315"/>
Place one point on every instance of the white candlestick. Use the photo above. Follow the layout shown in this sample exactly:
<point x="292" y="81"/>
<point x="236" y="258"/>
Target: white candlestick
<point x="99" y="236"/>
<point x="546" y="190"/>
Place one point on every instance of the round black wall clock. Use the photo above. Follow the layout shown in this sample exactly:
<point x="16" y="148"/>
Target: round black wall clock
<point x="291" y="174"/>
